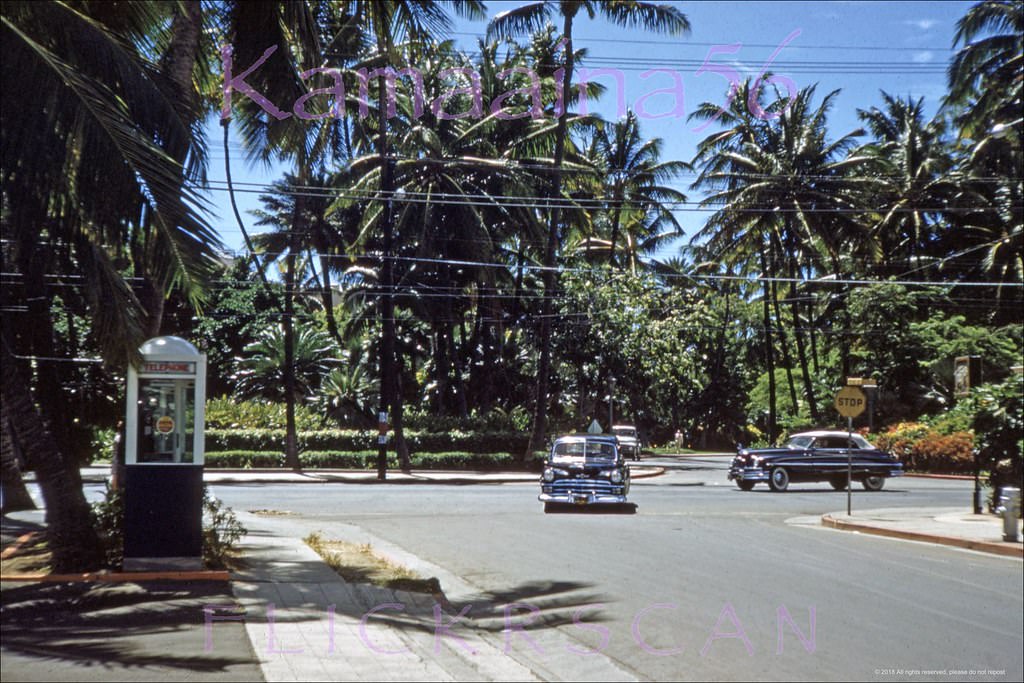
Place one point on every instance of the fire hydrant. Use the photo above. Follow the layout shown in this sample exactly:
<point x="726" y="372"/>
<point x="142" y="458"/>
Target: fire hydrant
<point x="1009" y="508"/>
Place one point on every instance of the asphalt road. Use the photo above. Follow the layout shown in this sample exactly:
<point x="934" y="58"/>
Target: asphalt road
<point x="702" y="581"/>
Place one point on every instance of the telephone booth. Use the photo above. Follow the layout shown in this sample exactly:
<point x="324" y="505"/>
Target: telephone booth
<point x="163" y="489"/>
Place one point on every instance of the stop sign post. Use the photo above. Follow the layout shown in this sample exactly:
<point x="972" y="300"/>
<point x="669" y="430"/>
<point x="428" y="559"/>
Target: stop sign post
<point x="850" y="402"/>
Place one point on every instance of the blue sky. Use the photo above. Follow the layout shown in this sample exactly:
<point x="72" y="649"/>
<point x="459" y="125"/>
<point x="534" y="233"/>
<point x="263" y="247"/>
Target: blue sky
<point x="859" y="47"/>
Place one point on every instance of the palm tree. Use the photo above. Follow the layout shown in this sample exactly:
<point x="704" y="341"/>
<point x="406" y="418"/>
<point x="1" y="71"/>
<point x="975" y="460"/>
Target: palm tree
<point x="308" y="144"/>
<point x="915" y="165"/>
<point x="261" y="370"/>
<point x="382" y="26"/>
<point x="986" y="78"/>
<point x="635" y="180"/>
<point x="531" y="18"/>
<point x="104" y="154"/>
<point x="987" y="73"/>
<point x="788" y="199"/>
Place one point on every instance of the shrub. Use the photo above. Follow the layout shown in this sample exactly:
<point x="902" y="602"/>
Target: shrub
<point x="358" y="460"/>
<point x="229" y="413"/>
<point x="923" y="449"/>
<point x="367" y="460"/>
<point x="345" y="440"/>
<point x="244" y="459"/>
<point x="497" y="420"/>
<point x="221" y="529"/>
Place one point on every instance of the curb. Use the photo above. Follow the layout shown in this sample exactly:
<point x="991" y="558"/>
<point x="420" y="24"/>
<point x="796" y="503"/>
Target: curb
<point x="651" y="472"/>
<point x="346" y="477"/>
<point x="119" y="577"/>
<point x="925" y="475"/>
<point x="981" y="546"/>
<point x="103" y="576"/>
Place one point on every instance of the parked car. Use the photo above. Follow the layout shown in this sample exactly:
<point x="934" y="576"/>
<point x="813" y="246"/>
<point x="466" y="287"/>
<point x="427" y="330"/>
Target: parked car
<point x="629" y="441"/>
<point x="584" y="469"/>
<point x="815" y="456"/>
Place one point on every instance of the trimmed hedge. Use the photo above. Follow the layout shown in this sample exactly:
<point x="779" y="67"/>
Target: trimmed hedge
<point x="362" y="460"/>
<point x="243" y="459"/>
<point x="350" y="440"/>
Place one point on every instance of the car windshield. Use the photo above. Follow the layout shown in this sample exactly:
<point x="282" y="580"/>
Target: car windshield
<point x="583" y="450"/>
<point x="800" y="442"/>
<point x="828" y="441"/>
<point x="624" y="431"/>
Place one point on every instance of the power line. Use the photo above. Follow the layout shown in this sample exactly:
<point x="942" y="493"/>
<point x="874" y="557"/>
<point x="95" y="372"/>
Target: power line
<point x="770" y="46"/>
<point x="546" y="203"/>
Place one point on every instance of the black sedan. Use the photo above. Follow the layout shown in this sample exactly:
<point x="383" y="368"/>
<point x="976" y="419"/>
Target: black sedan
<point x="584" y="469"/>
<point x="815" y="456"/>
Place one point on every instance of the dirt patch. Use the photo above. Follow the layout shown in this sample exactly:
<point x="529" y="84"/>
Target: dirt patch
<point x="271" y="513"/>
<point x="358" y="563"/>
<point x="29" y="556"/>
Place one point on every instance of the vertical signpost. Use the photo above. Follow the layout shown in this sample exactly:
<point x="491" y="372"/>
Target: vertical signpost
<point x="850" y="402"/>
<point x="382" y="445"/>
<point x="966" y="373"/>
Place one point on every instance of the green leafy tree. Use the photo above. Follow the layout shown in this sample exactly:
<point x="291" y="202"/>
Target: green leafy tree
<point x="238" y="310"/>
<point x="662" y="347"/>
<point x="916" y="165"/>
<point x="999" y="430"/>
<point x="786" y="201"/>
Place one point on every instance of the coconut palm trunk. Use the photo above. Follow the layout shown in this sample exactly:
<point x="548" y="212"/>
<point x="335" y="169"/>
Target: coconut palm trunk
<point x="72" y="538"/>
<point x="15" y="494"/>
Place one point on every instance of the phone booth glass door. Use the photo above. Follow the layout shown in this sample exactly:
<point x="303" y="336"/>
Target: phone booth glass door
<point x="166" y="415"/>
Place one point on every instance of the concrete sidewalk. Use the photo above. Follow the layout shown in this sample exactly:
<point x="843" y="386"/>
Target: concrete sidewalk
<point x="944" y="526"/>
<point x="307" y="624"/>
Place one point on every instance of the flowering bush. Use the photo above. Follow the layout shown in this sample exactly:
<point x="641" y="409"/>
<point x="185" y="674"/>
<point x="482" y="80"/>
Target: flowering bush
<point x="923" y="449"/>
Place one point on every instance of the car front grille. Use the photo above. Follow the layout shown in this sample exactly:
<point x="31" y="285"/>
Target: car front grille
<point x="600" y="486"/>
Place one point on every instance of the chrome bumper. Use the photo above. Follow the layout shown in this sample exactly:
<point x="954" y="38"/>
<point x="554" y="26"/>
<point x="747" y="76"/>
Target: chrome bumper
<point x="748" y="474"/>
<point x="582" y="491"/>
<point x="581" y="498"/>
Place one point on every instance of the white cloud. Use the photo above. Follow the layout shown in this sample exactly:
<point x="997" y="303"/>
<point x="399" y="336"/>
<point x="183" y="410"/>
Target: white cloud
<point x="923" y="57"/>
<point x="921" y="24"/>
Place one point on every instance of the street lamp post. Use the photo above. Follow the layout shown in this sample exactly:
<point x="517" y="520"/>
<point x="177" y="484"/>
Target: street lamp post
<point x="611" y="403"/>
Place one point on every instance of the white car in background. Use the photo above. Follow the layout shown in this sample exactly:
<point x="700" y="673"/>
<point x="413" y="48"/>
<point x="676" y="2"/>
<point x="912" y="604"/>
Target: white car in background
<point x="629" y="443"/>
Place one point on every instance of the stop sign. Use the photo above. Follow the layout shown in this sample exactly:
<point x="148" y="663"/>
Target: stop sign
<point x="850" y="401"/>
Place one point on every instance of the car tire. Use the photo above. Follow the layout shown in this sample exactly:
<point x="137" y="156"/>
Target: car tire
<point x="873" y="483"/>
<point x="778" y="481"/>
<point x="838" y="483"/>
<point x="745" y="485"/>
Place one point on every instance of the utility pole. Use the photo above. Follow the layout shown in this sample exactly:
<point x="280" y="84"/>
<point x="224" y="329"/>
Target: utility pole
<point x="387" y="314"/>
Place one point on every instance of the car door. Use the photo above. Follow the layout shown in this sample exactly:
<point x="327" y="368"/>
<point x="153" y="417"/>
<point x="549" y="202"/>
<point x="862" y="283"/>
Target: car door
<point x="830" y="455"/>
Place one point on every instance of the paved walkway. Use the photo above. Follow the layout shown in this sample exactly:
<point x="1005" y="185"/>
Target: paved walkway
<point x="945" y="526"/>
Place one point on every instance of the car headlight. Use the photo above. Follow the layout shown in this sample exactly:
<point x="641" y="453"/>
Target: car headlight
<point x="549" y="474"/>
<point x="615" y="476"/>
